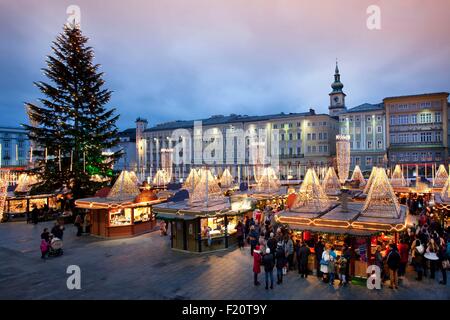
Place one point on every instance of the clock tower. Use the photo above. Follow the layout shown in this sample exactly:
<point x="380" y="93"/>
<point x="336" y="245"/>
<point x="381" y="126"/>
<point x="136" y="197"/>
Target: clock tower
<point x="337" y="96"/>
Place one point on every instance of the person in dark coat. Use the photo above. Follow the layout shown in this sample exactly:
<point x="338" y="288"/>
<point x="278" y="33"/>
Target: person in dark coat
<point x="35" y="214"/>
<point x="318" y="249"/>
<point x="302" y="259"/>
<point x="58" y="231"/>
<point x="280" y="258"/>
<point x="240" y="234"/>
<point x="254" y="238"/>
<point x="268" y="264"/>
<point x="393" y="262"/>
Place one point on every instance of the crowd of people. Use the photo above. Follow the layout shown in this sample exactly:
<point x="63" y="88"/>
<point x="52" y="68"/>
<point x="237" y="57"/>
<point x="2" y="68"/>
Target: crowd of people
<point x="425" y="247"/>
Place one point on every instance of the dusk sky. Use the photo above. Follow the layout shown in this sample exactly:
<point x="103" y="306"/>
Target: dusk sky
<point x="187" y="59"/>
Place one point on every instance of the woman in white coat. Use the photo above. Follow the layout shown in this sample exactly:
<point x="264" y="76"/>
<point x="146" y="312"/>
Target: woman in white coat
<point x="324" y="262"/>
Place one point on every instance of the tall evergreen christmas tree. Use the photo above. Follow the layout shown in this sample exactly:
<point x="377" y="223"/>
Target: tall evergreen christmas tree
<point x="72" y="127"/>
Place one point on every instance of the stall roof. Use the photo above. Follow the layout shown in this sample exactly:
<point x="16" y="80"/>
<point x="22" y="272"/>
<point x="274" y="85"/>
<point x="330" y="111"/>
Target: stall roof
<point x="349" y="231"/>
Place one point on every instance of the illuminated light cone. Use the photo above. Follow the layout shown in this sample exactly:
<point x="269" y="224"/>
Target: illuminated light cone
<point x="124" y="187"/>
<point x="226" y="180"/>
<point x="268" y="181"/>
<point x="358" y="176"/>
<point x="330" y="183"/>
<point x="441" y="177"/>
<point x="311" y="196"/>
<point x="371" y="179"/>
<point x="381" y="200"/>
<point x="397" y="179"/>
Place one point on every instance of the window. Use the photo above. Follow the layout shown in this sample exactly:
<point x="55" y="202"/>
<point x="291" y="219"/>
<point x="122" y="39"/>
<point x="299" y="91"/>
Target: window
<point x="438" y="136"/>
<point x="313" y="136"/>
<point x="393" y="138"/>
<point x="357" y="119"/>
<point x="290" y="137"/>
<point x="282" y="151"/>
<point x="357" y="130"/>
<point x="275" y="126"/>
<point x="380" y="160"/>
<point x="369" y="144"/>
<point x="299" y="136"/>
<point x="309" y="149"/>
<point x="368" y="161"/>
<point x="290" y="151"/>
<point x="320" y="149"/>
<point x="437" y="117"/>
<point x="358" y="144"/>
<point x="414" y="156"/>
<point x="308" y="136"/>
<point x="392" y="120"/>
<point x="403" y="138"/>
<point x="299" y="124"/>
<point x="314" y="148"/>
<point x="357" y="161"/>
<point x="379" y="118"/>
<point x="369" y="118"/>
<point x="438" y="156"/>
<point x="320" y="135"/>
<point x="379" y="129"/>
<point x="414" y="137"/>
<point x="425" y="118"/>
<point x="299" y="151"/>
<point x="379" y="144"/>
<point x="413" y="118"/>
<point x="369" y="129"/>
<point x="325" y="148"/>
<point x="290" y="125"/>
<point x="282" y="137"/>
<point x="403" y="119"/>
<point x="429" y="137"/>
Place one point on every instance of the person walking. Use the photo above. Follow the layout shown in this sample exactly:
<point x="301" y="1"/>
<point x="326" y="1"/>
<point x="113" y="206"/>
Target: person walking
<point x="35" y="215"/>
<point x="444" y="264"/>
<point x="268" y="264"/>
<point x="257" y="260"/>
<point x="417" y="252"/>
<point x="302" y="259"/>
<point x="240" y="234"/>
<point x="342" y="270"/>
<point x="280" y="258"/>
<point x="254" y="237"/>
<point x="58" y="230"/>
<point x="318" y="250"/>
<point x="403" y="250"/>
<point x="432" y="256"/>
<point x="45" y="243"/>
<point x="289" y="247"/>
<point x="272" y="242"/>
<point x="78" y="224"/>
<point x="324" y="264"/>
<point x="393" y="262"/>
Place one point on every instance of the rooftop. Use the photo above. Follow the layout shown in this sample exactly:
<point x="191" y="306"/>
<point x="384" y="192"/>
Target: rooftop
<point x="418" y="95"/>
<point x="232" y="118"/>
<point x="366" y="107"/>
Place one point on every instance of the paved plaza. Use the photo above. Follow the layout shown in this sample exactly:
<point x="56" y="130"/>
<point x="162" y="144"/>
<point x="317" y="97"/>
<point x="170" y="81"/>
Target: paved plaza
<point x="146" y="268"/>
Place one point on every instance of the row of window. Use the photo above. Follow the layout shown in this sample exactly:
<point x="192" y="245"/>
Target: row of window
<point x="369" y="145"/>
<point x="310" y="149"/>
<point x="416" y="156"/>
<point x="299" y="124"/>
<point x="317" y="136"/>
<point x="414" y="118"/>
<point x="369" y="161"/>
<point x="379" y="129"/>
<point x="358" y="118"/>
<point x="416" y="137"/>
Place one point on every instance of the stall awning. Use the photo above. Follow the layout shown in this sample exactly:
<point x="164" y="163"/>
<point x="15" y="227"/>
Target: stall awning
<point x="173" y="217"/>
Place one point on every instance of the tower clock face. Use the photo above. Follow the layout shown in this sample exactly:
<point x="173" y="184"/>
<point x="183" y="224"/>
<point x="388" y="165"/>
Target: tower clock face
<point x="336" y="99"/>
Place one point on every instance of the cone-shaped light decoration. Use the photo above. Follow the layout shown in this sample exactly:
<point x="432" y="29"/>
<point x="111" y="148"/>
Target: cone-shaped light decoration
<point x="226" y="180"/>
<point x="25" y="183"/>
<point x="124" y="187"/>
<point x="441" y="177"/>
<point x="268" y="181"/>
<point x="381" y="200"/>
<point x="161" y="178"/>
<point x="206" y="189"/>
<point x="397" y="179"/>
<point x="311" y="197"/>
<point x="445" y="192"/>
<point x="358" y="176"/>
<point x="330" y="183"/>
<point x="192" y="179"/>
<point x="373" y="174"/>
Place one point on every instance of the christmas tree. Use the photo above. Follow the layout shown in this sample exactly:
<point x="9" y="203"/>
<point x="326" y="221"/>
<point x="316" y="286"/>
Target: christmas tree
<point x="72" y="127"/>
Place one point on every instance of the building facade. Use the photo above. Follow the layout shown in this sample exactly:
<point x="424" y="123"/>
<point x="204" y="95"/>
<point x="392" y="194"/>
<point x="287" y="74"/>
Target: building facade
<point x="127" y="145"/>
<point x="366" y="126"/>
<point x="14" y="148"/>
<point x="417" y="129"/>
<point x="303" y="139"/>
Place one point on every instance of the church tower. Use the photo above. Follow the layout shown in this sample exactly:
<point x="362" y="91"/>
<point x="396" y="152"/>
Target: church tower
<point x="337" y="96"/>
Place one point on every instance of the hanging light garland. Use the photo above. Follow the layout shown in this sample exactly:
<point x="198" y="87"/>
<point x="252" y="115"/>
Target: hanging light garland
<point x="343" y="156"/>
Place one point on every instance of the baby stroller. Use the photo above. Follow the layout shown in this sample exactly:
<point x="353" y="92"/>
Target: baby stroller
<point x="55" y="249"/>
